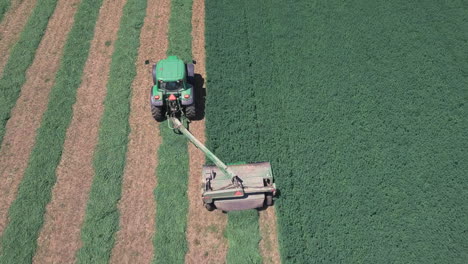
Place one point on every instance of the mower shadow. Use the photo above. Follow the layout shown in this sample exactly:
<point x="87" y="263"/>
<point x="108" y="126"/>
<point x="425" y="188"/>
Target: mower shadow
<point x="200" y="94"/>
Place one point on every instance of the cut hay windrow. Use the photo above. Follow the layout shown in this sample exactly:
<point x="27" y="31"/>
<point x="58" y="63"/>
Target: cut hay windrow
<point x="11" y="26"/>
<point x="102" y="217"/>
<point x="21" y="57"/>
<point x="170" y="244"/>
<point x="205" y="230"/>
<point x="26" y="214"/>
<point x="134" y="240"/>
<point x="361" y="109"/>
<point x="27" y="114"/>
<point x="60" y="237"/>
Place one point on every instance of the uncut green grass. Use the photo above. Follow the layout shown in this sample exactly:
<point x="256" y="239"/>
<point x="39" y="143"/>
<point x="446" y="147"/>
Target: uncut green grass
<point x="243" y="237"/>
<point x="231" y="115"/>
<point x="170" y="244"/>
<point x="102" y="216"/>
<point x="26" y="214"/>
<point x="21" y="57"/>
<point x="361" y="108"/>
<point x="4" y="7"/>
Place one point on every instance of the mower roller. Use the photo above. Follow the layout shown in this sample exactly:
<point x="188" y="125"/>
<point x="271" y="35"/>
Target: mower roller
<point x="227" y="188"/>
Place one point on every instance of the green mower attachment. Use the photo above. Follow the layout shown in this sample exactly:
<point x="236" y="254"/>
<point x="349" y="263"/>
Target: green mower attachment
<point x="255" y="191"/>
<point x="233" y="187"/>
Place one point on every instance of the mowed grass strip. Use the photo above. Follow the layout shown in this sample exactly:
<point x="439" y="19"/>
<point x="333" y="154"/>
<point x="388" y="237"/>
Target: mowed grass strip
<point x="26" y="214"/>
<point x="21" y="57"/>
<point x="170" y="244"/>
<point x="4" y="6"/>
<point x="231" y="110"/>
<point x="102" y="216"/>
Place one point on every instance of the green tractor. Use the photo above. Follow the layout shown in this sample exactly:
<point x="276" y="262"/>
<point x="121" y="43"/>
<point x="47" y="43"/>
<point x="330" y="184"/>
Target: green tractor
<point x="173" y="91"/>
<point x="224" y="187"/>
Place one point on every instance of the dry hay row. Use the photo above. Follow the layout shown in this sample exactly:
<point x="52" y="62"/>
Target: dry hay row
<point x="60" y="236"/>
<point x="137" y="206"/>
<point x="26" y="115"/>
<point x="206" y="241"/>
<point x="11" y="27"/>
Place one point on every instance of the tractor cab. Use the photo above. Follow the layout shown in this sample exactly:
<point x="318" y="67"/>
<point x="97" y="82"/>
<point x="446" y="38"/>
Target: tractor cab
<point x="171" y="86"/>
<point x="173" y="89"/>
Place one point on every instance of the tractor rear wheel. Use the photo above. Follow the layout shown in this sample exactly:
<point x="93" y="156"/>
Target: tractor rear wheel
<point x="158" y="113"/>
<point x="191" y="111"/>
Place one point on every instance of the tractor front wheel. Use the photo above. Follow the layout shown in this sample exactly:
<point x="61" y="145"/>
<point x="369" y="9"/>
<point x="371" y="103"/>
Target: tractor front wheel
<point x="190" y="73"/>
<point x="158" y="113"/>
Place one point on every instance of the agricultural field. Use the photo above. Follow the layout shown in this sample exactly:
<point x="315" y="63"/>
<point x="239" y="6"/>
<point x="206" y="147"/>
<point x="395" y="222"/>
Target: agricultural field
<point x="362" y="110"/>
<point x="360" y="107"/>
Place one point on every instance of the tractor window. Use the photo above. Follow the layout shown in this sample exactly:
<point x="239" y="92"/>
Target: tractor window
<point x="171" y="86"/>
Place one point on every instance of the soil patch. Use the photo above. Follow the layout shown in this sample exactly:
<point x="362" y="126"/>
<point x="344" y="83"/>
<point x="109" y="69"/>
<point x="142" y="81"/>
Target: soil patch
<point x="60" y="237"/>
<point x="138" y="207"/>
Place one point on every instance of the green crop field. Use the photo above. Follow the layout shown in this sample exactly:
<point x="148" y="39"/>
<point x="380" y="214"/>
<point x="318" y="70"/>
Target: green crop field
<point x="361" y="108"/>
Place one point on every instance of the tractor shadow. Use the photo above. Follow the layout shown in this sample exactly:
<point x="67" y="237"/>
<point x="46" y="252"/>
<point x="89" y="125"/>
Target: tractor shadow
<point x="200" y="94"/>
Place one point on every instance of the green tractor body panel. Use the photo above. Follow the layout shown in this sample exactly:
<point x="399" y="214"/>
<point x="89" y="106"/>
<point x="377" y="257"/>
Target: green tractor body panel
<point x="170" y="69"/>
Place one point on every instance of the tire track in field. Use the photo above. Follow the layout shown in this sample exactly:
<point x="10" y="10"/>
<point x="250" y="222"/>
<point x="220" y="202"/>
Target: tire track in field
<point x="206" y="241"/>
<point x="137" y="206"/>
<point x="59" y="238"/>
<point x="13" y="23"/>
<point x="26" y="116"/>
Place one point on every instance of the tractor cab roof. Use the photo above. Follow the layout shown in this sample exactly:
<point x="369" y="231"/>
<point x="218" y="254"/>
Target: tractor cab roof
<point x="170" y="69"/>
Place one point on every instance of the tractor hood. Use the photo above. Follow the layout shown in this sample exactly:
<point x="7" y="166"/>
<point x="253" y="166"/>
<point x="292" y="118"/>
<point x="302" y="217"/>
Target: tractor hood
<point x="170" y="69"/>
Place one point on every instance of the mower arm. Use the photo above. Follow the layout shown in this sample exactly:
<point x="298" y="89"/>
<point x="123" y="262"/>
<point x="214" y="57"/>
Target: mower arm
<point x="223" y="167"/>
